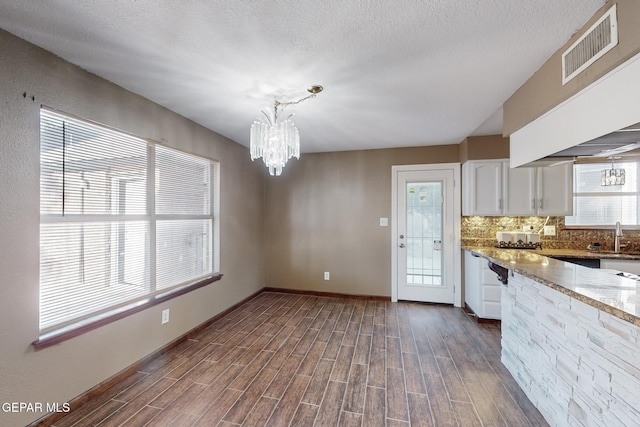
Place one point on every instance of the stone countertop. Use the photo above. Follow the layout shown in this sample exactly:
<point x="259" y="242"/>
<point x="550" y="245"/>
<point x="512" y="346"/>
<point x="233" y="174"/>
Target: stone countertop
<point x="580" y="253"/>
<point x="612" y="294"/>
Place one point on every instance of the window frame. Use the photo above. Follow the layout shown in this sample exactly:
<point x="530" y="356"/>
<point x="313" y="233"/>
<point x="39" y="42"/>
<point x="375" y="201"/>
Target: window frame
<point x="604" y="163"/>
<point x="65" y="330"/>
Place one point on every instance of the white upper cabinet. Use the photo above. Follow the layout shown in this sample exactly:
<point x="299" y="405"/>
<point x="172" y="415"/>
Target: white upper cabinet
<point x="519" y="191"/>
<point x="555" y="190"/>
<point x="492" y="188"/>
<point x="482" y="188"/>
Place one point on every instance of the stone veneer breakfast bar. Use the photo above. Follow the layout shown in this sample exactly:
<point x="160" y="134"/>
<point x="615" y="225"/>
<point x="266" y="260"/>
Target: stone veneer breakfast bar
<point x="571" y="338"/>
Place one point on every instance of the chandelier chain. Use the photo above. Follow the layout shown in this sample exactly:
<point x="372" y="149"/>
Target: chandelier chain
<point x="284" y="104"/>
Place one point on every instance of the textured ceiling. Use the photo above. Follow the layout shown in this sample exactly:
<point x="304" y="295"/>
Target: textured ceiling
<point x="396" y="73"/>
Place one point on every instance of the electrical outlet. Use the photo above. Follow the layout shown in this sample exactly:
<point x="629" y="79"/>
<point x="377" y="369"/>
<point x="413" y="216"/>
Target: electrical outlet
<point x="165" y="316"/>
<point x="326" y="275"/>
<point x="549" y="230"/>
<point x="384" y="222"/>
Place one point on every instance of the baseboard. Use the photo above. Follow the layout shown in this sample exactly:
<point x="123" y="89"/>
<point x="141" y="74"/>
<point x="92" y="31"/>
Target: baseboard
<point x="90" y="394"/>
<point x="326" y="294"/>
<point x="469" y="310"/>
<point x="471" y="313"/>
<point x="490" y="321"/>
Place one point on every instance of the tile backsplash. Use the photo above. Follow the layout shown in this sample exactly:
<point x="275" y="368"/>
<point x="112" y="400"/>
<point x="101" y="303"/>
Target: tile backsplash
<point x="481" y="231"/>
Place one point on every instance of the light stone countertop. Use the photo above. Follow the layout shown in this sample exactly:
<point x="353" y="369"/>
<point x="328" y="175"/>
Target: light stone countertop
<point x="612" y="294"/>
<point x="577" y="253"/>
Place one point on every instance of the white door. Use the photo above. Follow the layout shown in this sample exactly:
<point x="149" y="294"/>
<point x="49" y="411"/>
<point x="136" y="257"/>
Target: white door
<point x="425" y="240"/>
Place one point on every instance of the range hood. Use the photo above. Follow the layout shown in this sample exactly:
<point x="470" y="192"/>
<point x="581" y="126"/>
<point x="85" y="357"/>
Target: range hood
<point x="623" y="142"/>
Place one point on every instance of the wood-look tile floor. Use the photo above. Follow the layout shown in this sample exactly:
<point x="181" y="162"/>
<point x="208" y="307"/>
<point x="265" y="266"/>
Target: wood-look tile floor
<point x="284" y="359"/>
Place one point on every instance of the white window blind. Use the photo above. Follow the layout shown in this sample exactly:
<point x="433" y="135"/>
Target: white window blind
<point x="183" y="213"/>
<point x="122" y="220"/>
<point x="596" y="205"/>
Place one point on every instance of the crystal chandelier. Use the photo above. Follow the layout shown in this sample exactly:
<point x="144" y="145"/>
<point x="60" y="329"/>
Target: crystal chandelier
<point x="276" y="140"/>
<point x="612" y="176"/>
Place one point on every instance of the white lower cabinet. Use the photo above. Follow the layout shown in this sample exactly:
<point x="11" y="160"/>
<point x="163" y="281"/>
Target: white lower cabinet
<point x="482" y="288"/>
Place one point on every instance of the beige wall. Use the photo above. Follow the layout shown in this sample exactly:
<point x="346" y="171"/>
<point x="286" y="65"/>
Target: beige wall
<point x="544" y="90"/>
<point x="61" y="372"/>
<point x="484" y="147"/>
<point x="323" y="214"/>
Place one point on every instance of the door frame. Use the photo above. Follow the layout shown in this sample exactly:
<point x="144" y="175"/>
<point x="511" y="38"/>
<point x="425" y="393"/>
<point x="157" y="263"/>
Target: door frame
<point x="457" y="209"/>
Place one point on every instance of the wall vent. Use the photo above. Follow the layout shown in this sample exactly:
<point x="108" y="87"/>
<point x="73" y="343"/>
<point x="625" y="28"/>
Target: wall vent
<point x="595" y="42"/>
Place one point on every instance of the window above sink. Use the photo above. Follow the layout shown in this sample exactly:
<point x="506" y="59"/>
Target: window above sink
<point x="598" y="206"/>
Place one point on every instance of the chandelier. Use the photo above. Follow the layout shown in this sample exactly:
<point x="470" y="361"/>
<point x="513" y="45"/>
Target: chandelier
<point x="612" y="176"/>
<point x="277" y="140"/>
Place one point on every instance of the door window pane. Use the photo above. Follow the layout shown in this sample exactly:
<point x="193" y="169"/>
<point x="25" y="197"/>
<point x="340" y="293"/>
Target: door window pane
<point x="424" y="233"/>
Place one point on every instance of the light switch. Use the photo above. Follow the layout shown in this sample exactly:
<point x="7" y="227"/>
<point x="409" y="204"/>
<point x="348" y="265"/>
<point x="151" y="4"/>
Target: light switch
<point x="384" y="222"/>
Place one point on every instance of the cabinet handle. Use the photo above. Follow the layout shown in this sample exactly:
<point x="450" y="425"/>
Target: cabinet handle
<point x="533" y="204"/>
<point x="540" y="204"/>
<point x="500" y="204"/>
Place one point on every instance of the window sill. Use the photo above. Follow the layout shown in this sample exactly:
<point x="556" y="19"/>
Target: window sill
<point x="74" y="330"/>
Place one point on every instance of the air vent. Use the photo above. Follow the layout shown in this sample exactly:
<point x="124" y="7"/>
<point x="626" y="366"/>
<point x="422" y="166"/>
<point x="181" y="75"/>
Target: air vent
<point x="598" y="40"/>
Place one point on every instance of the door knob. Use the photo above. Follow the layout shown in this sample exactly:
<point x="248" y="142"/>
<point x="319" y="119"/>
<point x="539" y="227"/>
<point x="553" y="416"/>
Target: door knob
<point x="401" y="245"/>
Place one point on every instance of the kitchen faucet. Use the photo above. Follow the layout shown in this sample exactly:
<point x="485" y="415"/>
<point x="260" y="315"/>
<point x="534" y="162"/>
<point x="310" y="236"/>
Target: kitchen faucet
<point x="618" y="235"/>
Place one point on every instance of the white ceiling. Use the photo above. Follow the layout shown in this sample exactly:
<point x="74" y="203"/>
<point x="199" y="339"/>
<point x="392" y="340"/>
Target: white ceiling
<point x="396" y="73"/>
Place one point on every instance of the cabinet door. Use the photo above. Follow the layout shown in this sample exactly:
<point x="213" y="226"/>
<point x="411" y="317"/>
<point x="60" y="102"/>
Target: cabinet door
<point x="483" y="188"/>
<point x="491" y="290"/>
<point x="519" y="191"/>
<point x="555" y="190"/>
<point x="472" y="281"/>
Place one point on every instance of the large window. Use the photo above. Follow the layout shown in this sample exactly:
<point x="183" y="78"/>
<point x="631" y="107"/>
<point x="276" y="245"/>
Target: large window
<point x="597" y="205"/>
<point x="122" y="220"/>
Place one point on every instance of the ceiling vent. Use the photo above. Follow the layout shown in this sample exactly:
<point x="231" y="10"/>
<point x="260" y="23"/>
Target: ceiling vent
<point x="598" y="40"/>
